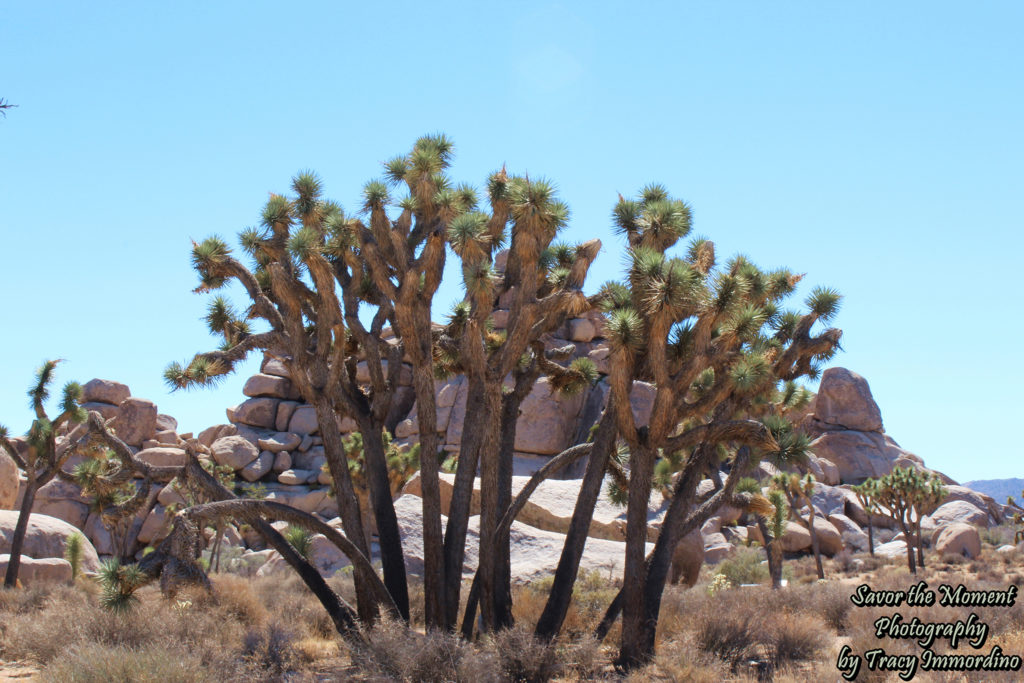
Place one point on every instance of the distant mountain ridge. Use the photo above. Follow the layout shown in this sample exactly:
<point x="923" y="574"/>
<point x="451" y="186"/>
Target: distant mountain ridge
<point x="998" y="488"/>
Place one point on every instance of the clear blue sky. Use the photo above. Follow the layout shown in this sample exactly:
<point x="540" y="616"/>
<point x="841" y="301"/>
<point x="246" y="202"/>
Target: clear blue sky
<point x="875" y="146"/>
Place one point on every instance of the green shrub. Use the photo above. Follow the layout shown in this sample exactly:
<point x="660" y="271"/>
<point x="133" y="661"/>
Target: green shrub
<point x="746" y="565"/>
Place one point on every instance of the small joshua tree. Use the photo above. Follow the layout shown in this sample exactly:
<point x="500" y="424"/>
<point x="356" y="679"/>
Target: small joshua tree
<point x="74" y="548"/>
<point x="907" y="495"/>
<point x="798" y="492"/>
<point x="772" y="528"/>
<point x="44" y="457"/>
<point x="868" y="498"/>
<point x="1018" y="517"/>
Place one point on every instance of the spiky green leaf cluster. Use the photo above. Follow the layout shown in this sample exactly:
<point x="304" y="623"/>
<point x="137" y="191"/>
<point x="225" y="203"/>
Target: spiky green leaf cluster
<point x="119" y="583"/>
<point x="625" y="330"/>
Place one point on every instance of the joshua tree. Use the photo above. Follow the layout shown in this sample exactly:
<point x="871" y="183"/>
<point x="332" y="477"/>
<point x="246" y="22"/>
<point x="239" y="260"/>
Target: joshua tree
<point x="867" y="496"/>
<point x="542" y="283"/>
<point x="43" y="458"/>
<point x="716" y="347"/>
<point x="928" y="495"/>
<point x="772" y="532"/>
<point x="907" y="495"/>
<point x="394" y="265"/>
<point x="306" y="251"/>
<point x="4" y="106"/>
<point x="1018" y="518"/>
<point x="798" y="493"/>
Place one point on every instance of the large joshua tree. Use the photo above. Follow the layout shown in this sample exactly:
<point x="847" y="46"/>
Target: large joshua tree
<point x="391" y="258"/>
<point x="307" y="283"/>
<point x="44" y="457"/>
<point x="716" y="347"/>
<point x="543" y="284"/>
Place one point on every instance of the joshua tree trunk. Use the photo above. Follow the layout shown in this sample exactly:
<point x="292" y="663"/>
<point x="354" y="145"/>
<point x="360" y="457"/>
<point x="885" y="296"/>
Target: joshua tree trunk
<point x="20" y="529"/>
<point x="919" y="542"/>
<point x="911" y="564"/>
<point x="390" y="539"/>
<point x="433" y="536"/>
<point x="489" y="501"/>
<point x="348" y="502"/>
<point x="814" y="541"/>
<point x="633" y="648"/>
<point x="557" y="606"/>
<point x="503" y="556"/>
<point x="773" y="551"/>
<point x="871" y="536"/>
<point x="459" y="506"/>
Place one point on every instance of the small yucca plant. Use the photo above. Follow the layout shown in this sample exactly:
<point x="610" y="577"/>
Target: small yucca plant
<point x="300" y="539"/>
<point x="119" y="584"/>
<point x="74" y="549"/>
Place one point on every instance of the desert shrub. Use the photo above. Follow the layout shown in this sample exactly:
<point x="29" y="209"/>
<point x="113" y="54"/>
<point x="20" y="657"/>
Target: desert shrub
<point x="996" y="536"/>
<point x="683" y="662"/>
<point x="794" y="638"/>
<point x="269" y="649"/>
<point x="236" y="596"/>
<point x="394" y="652"/>
<point x="767" y="627"/>
<point x="829" y="601"/>
<point x="729" y="635"/>
<point x="746" y="565"/>
<point x="591" y="595"/>
<point x="845" y="561"/>
<point x="96" y="663"/>
<point x="25" y="599"/>
<point x="871" y="562"/>
<point x="397" y="652"/>
<point x="287" y="594"/>
<point x="524" y="658"/>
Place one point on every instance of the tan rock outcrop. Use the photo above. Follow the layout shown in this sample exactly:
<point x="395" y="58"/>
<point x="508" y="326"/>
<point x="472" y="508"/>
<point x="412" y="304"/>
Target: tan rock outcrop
<point x="958" y="538"/>
<point x="46" y="537"/>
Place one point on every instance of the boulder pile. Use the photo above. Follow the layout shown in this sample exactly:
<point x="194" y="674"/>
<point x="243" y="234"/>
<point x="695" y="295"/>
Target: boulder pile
<point x="271" y="444"/>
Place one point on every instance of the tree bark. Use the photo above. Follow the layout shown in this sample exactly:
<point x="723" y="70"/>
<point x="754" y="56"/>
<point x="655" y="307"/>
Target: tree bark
<point x="348" y="502"/>
<point x="557" y="606"/>
<point x="502" y="549"/>
<point x="462" y="496"/>
<point x="911" y="564"/>
<point x="20" y="529"/>
<point x="489" y="501"/>
<point x="434" y="584"/>
<point x="815" y="547"/>
<point x="389" y="537"/>
<point x="634" y="610"/>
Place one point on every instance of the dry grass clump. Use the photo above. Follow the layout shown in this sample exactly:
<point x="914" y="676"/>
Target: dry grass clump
<point x="395" y="652"/>
<point x="95" y="663"/>
<point x="196" y="637"/>
<point x="591" y="595"/>
<point x="771" y="628"/>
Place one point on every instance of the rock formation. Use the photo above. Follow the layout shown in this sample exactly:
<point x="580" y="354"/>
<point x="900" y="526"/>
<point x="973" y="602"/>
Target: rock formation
<point x="271" y="441"/>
